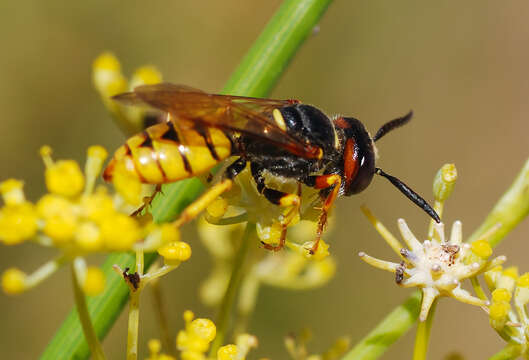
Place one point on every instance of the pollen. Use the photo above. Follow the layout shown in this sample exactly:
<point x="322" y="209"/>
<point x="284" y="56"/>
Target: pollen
<point x="501" y="295"/>
<point x="13" y="281"/>
<point x="482" y="249"/>
<point x="204" y="329"/>
<point x="94" y="282"/>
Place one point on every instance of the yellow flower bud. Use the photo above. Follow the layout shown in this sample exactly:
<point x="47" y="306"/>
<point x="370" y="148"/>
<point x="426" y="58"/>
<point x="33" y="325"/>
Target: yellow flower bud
<point x="322" y="252"/>
<point x="13" y="281"/>
<point x="154" y="346"/>
<point x="96" y="207"/>
<point x="65" y="178"/>
<point x="482" y="249"/>
<point x="94" y="282"/>
<point x="145" y="75"/>
<point x="119" y="232"/>
<point x="227" y="352"/>
<point x="500" y="295"/>
<point x="51" y="205"/>
<point x="96" y="155"/>
<point x="17" y="223"/>
<point x="498" y="311"/>
<point x="173" y="253"/>
<point x="203" y="328"/>
<point x="12" y="191"/>
<point x="60" y="228"/>
<point x="106" y="61"/>
<point x="444" y="182"/>
<point x="218" y="207"/>
<point x="511" y="272"/>
<point x="269" y="234"/>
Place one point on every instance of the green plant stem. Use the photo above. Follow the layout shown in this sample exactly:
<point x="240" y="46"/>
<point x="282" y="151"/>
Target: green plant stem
<point x="387" y="331"/>
<point x="510" y="352"/>
<point x="422" y="338"/>
<point x="86" y="323"/>
<point x="226" y="306"/>
<point x="510" y="209"/>
<point x="256" y="75"/>
<point x="134" y="312"/>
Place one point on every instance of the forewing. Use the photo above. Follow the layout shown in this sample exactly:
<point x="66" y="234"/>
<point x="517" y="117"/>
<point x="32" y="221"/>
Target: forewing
<point x="249" y="116"/>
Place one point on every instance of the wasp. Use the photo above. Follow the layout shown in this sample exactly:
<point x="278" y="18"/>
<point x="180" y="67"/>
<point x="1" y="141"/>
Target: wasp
<point x="281" y="138"/>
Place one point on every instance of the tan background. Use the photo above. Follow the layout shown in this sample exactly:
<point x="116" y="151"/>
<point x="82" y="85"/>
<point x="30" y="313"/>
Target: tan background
<point x="461" y="66"/>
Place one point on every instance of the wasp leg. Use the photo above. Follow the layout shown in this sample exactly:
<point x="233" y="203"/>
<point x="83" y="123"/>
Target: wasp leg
<point x="280" y="198"/>
<point x="334" y="182"/>
<point x="200" y="204"/>
<point x="147" y="200"/>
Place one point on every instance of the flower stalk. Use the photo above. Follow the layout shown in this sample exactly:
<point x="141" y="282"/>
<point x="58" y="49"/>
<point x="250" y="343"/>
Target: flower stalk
<point x="86" y="323"/>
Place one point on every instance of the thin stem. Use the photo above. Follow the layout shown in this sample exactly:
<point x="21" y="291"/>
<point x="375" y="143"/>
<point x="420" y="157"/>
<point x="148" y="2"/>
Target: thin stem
<point x="232" y="290"/>
<point x="509" y="352"/>
<point x="84" y="316"/>
<point x="422" y="338"/>
<point x="44" y="272"/>
<point x="134" y="312"/>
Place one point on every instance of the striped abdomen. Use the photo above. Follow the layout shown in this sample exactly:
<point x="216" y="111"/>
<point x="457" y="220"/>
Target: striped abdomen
<point x="161" y="154"/>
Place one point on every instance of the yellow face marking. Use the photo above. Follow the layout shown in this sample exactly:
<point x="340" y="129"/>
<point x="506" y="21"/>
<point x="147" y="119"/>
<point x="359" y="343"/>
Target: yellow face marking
<point x="278" y="118"/>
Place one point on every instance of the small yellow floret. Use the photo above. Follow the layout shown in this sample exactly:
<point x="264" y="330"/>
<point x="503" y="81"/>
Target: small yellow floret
<point x="218" y="208"/>
<point x="146" y="75"/>
<point x="227" y="352"/>
<point x="106" y="61"/>
<point x="177" y="251"/>
<point x="94" y="282"/>
<point x="511" y="272"/>
<point x="203" y="328"/>
<point x="97" y="151"/>
<point x="188" y="316"/>
<point x="65" y="178"/>
<point x="270" y="234"/>
<point x="61" y="228"/>
<point x="88" y="237"/>
<point x="98" y="206"/>
<point x="12" y="191"/>
<point x="499" y="310"/>
<point x="482" y="249"/>
<point x="13" y="281"/>
<point x="499" y="295"/>
<point x="17" y="223"/>
<point x="119" y="232"/>
<point x="154" y="346"/>
<point x="51" y="205"/>
<point x="523" y="280"/>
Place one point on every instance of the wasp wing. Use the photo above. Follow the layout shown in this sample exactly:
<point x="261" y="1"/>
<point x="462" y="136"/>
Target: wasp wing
<point x="236" y="114"/>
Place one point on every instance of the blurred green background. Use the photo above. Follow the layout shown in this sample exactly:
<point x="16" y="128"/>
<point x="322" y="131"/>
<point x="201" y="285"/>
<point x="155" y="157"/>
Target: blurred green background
<point x="461" y="66"/>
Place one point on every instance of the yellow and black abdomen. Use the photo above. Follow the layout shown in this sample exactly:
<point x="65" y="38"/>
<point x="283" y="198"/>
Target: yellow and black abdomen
<point x="162" y="154"/>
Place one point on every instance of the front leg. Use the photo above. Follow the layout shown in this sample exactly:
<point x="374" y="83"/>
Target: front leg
<point x="334" y="182"/>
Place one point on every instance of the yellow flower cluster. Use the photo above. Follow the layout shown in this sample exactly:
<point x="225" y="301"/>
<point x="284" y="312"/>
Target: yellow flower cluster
<point x="511" y="322"/>
<point x="79" y="218"/>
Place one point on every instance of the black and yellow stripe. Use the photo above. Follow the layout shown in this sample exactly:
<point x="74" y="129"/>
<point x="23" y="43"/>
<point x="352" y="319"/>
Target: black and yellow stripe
<point x="162" y="153"/>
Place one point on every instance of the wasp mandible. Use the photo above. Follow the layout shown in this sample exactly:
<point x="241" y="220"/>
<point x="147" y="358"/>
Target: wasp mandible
<point x="284" y="138"/>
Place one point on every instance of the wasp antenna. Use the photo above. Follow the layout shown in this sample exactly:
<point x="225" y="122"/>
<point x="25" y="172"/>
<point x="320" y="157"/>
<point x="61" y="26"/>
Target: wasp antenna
<point x="410" y="194"/>
<point x="393" y="124"/>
